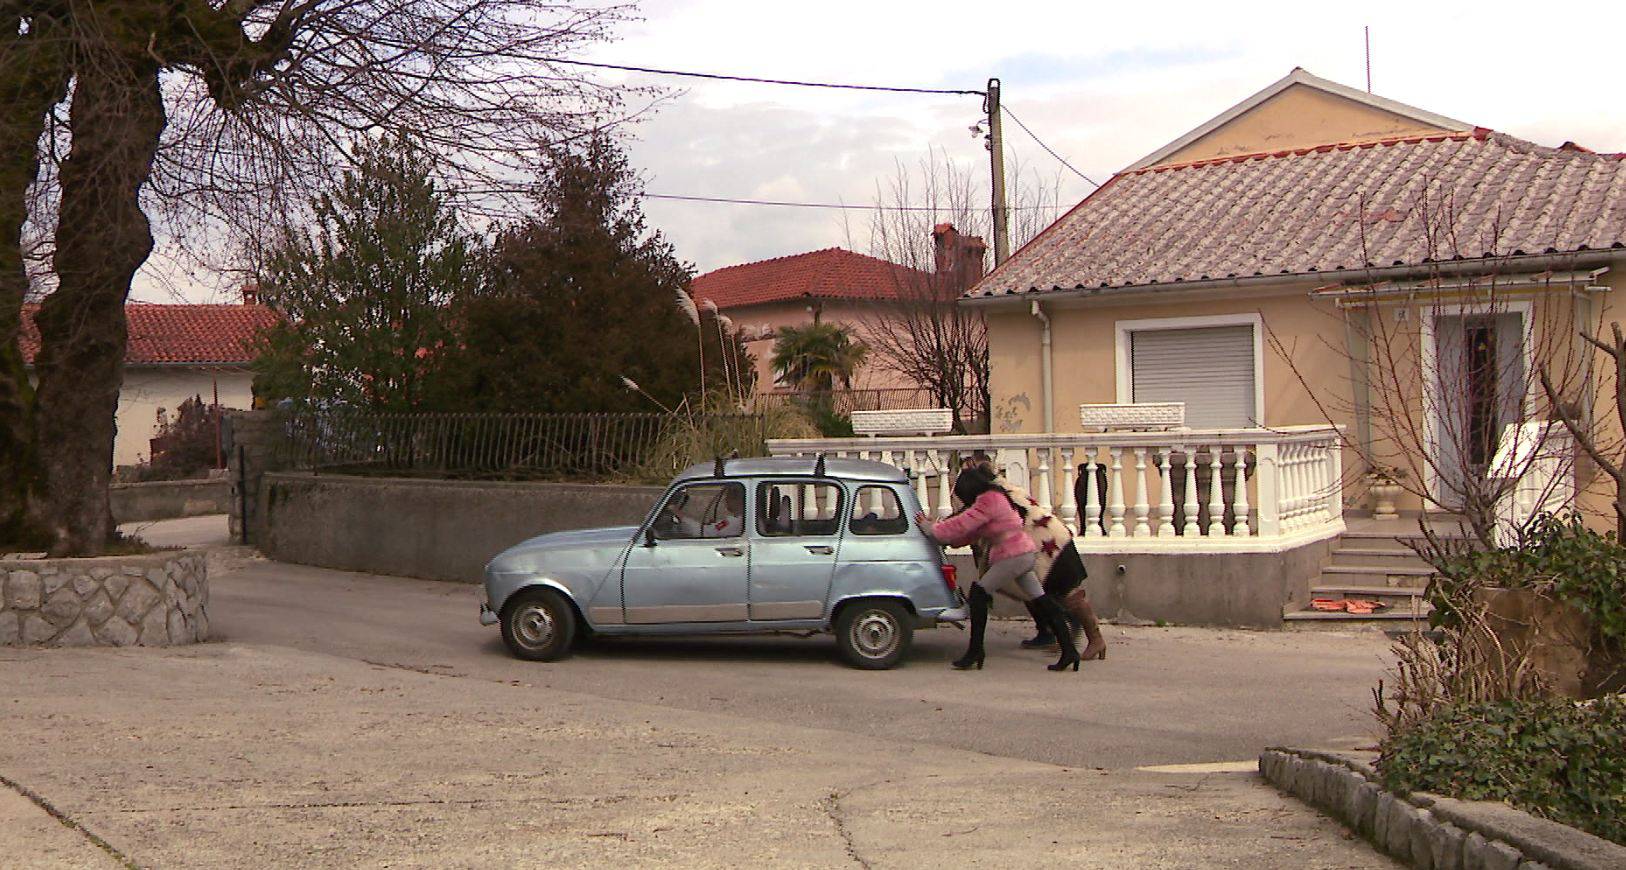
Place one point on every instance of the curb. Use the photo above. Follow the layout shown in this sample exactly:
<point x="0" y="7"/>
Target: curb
<point x="1428" y="831"/>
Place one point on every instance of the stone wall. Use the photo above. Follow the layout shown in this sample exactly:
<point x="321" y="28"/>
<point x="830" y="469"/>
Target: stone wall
<point x="1428" y="831"/>
<point x="168" y="499"/>
<point x="159" y="599"/>
<point x="434" y="529"/>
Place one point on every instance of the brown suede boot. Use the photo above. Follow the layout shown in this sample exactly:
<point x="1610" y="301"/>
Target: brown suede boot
<point x="1079" y="607"/>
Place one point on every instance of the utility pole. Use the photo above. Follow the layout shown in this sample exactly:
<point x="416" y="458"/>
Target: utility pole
<point x="996" y="161"/>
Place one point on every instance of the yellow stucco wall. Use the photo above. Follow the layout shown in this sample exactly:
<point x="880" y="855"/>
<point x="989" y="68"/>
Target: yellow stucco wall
<point x="146" y="390"/>
<point x="1306" y="367"/>
<point x="1085" y="354"/>
<point x="1298" y="117"/>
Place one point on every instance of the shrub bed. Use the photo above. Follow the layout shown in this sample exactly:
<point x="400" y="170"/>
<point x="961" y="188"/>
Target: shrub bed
<point x="1552" y="758"/>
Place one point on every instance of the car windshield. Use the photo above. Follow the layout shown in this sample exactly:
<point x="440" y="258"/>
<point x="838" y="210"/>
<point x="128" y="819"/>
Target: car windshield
<point x="702" y="510"/>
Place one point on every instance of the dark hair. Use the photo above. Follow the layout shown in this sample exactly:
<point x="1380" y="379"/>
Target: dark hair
<point x="972" y="482"/>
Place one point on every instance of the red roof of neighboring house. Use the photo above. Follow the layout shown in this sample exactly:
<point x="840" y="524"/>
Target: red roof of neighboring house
<point x="833" y="273"/>
<point x="1347" y="205"/>
<point x="179" y="334"/>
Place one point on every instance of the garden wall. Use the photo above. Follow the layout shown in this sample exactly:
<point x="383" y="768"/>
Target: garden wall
<point x="434" y="529"/>
<point x="158" y="599"/>
<point x="169" y="499"/>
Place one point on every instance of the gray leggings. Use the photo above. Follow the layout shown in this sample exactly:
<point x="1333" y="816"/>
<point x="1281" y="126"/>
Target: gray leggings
<point x="1017" y="570"/>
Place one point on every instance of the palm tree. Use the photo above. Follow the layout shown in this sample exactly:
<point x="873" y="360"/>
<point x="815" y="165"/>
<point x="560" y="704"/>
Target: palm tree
<point x="817" y="356"/>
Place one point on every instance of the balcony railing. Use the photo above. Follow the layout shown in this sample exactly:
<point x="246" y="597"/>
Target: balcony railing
<point x="1183" y="490"/>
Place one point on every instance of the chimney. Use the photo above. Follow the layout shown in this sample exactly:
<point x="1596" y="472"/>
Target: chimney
<point x="958" y="259"/>
<point x="251" y="293"/>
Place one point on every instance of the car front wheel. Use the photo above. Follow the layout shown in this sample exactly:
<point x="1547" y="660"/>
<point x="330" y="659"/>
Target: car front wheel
<point x="874" y="634"/>
<point x="538" y="625"/>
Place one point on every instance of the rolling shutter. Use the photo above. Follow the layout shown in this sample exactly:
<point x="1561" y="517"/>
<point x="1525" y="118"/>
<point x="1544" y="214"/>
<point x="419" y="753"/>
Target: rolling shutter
<point x="1209" y="368"/>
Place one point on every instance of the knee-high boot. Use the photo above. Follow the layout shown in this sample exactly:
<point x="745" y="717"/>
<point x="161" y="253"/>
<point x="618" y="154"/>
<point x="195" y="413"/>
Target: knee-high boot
<point x="1057" y="617"/>
<point x="1081" y="610"/>
<point x="978" y="602"/>
<point x="1042" y="639"/>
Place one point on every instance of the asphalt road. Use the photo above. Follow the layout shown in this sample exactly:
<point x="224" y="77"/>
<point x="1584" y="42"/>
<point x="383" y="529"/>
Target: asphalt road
<point x="342" y="720"/>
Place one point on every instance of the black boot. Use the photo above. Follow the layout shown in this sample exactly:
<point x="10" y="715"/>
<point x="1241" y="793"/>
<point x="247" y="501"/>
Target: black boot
<point x="1056" y="617"/>
<point x="1043" y="638"/>
<point x="977" y="601"/>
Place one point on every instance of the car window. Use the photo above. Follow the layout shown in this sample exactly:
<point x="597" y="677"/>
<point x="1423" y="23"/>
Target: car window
<point x="877" y="511"/>
<point x="786" y="508"/>
<point x="702" y="510"/>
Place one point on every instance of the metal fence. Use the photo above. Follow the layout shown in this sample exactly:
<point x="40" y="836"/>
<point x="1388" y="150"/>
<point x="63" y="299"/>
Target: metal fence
<point x="515" y="446"/>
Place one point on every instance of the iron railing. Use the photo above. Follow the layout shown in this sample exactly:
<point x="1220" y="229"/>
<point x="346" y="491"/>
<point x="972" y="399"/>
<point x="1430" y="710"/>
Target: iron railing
<point x="513" y="446"/>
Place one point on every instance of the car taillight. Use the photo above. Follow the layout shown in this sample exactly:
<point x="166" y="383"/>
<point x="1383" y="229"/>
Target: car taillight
<point x="950" y="575"/>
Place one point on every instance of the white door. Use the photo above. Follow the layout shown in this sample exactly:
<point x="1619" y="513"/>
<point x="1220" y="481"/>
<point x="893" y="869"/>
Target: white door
<point x="1476" y="388"/>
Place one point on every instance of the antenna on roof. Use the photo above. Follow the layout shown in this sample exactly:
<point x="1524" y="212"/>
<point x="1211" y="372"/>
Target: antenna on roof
<point x="1368" y="31"/>
<point x="818" y="466"/>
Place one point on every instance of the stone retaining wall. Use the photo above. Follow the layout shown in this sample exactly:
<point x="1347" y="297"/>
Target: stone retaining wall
<point x="1432" y="832"/>
<point x="168" y="499"/>
<point x="159" y="599"/>
<point x="433" y="529"/>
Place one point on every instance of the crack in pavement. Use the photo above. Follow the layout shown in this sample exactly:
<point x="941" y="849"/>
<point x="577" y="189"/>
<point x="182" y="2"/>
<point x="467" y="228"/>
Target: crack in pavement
<point x="69" y="822"/>
<point x="832" y="808"/>
<point x="326" y="805"/>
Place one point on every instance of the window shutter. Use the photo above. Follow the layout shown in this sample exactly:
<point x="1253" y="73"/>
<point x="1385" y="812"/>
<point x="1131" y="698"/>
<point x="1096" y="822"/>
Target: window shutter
<point x="1208" y="368"/>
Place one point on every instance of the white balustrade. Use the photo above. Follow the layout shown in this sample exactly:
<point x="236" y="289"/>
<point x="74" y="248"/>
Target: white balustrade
<point x="1256" y="485"/>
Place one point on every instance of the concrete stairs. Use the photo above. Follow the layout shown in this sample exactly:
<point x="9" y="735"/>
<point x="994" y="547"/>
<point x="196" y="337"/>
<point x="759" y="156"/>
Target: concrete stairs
<point x="1371" y="562"/>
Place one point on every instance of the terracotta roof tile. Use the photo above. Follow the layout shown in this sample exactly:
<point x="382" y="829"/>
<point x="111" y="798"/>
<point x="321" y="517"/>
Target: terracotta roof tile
<point x="179" y="334"/>
<point x="832" y="273"/>
<point x="1346" y="205"/>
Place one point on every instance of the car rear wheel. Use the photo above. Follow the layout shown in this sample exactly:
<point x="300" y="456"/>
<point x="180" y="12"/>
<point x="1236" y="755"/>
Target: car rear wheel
<point x="874" y="634"/>
<point x="538" y="625"/>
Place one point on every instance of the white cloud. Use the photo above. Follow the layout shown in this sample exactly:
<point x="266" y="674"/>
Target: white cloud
<point x="1104" y="85"/>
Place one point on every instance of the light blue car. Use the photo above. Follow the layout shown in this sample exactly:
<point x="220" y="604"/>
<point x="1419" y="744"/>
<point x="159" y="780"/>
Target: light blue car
<point x="738" y="546"/>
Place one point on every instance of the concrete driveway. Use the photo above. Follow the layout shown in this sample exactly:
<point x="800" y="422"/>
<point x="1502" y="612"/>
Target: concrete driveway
<point x="345" y="720"/>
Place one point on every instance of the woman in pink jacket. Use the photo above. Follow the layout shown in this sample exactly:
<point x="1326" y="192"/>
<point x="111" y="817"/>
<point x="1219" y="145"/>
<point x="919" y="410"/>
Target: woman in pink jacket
<point x="990" y="516"/>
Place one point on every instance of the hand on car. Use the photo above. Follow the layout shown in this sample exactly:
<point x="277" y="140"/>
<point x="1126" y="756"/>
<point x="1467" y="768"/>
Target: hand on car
<point x="922" y="521"/>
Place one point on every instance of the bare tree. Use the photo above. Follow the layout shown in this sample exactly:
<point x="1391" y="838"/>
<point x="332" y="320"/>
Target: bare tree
<point x="1441" y="377"/>
<point x="1607" y="451"/>
<point x="215" y="118"/>
<point x="922" y="333"/>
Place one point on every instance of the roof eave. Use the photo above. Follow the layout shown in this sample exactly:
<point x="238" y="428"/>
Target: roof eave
<point x="1512" y="264"/>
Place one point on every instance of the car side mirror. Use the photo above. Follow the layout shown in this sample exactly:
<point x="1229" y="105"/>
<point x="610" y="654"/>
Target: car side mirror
<point x="649" y="536"/>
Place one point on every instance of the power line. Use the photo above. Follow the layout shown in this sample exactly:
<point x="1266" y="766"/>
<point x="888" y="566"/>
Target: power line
<point x="762" y="81"/>
<point x="835" y="205"/>
<point x="1047" y="148"/>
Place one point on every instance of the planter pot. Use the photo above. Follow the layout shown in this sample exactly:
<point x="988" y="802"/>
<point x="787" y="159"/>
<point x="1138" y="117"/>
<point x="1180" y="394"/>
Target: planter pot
<point x="1384" y="493"/>
<point x="159" y="599"/>
<point x="1555" y="638"/>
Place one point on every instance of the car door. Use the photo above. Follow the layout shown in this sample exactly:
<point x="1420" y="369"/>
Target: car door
<point x="699" y="563"/>
<point x="795" y="541"/>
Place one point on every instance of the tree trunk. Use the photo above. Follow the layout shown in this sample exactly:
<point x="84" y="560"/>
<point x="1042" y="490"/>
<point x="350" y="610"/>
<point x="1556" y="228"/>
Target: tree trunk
<point x="35" y="80"/>
<point x="102" y="238"/>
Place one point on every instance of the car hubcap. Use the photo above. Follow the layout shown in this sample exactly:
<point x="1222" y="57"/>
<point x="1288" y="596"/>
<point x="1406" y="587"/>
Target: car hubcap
<point x="534" y="625"/>
<point x="874" y="635"/>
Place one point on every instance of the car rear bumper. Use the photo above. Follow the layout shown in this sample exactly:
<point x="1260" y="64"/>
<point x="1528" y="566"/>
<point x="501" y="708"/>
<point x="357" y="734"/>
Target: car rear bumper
<point x="486" y="616"/>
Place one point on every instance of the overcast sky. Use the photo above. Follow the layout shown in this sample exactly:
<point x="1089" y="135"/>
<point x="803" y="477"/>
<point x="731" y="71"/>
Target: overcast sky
<point x="1102" y="86"/>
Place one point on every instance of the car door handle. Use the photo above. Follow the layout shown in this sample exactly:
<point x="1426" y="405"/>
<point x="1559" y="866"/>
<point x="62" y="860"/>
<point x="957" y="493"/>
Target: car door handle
<point x="820" y="549"/>
<point x="731" y="551"/>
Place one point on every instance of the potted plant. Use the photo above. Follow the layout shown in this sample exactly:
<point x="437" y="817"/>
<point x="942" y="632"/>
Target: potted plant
<point x="1383" y="482"/>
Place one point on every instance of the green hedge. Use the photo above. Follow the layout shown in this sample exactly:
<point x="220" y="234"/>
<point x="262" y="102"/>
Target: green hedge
<point x="1553" y="758"/>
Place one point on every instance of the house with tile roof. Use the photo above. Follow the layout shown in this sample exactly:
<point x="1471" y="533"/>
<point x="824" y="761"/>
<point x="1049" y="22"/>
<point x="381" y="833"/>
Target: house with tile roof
<point x="175" y="352"/>
<point x="1221" y="348"/>
<point x="831" y="285"/>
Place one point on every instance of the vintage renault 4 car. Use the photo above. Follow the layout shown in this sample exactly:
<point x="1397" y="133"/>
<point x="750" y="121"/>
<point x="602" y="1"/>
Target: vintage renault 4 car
<point x="738" y="546"/>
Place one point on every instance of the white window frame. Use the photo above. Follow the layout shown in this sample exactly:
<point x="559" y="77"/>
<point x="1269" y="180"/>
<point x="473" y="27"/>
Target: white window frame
<point x="1121" y="345"/>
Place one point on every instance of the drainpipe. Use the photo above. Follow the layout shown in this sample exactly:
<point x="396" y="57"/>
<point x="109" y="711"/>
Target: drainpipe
<point x="1044" y="366"/>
